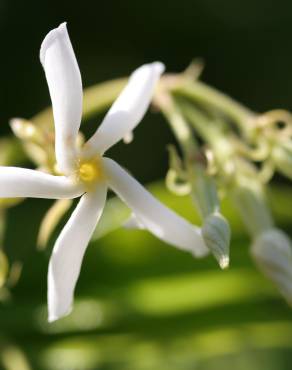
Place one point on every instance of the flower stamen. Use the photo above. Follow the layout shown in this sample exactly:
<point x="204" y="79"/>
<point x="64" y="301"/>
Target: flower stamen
<point x="90" y="171"/>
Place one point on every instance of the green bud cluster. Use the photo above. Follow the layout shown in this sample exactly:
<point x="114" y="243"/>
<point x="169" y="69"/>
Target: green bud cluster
<point x="232" y="152"/>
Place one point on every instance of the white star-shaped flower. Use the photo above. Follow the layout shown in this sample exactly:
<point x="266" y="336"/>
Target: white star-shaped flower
<point x="87" y="173"/>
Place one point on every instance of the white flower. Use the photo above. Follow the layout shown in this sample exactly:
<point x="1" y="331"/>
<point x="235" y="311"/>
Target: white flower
<point x="87" y="173"/>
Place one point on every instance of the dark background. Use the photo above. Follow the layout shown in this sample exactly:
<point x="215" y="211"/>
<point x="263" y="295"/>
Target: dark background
<point x="246" y="46"/>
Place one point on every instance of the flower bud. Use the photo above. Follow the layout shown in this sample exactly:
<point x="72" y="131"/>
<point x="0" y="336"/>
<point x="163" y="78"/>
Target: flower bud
<point x="272" y="252"/>
<point x="249" y="199"/>
<point x="282" y="158"/>
<point x="23" y="128"/>
<point x="33" y="140"/>
<point x="216" y="234"/>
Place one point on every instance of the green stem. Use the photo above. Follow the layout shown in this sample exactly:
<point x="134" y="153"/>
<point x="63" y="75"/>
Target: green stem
<point x="210" y="131"/>
<point x="203" y="188"/>
<point x="205" y="127"/>
<point x="180" y="129"/>
<point x="212" y="98"/>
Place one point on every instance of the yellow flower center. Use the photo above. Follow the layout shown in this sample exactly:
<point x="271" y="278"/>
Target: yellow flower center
<point x="90" y="171"/>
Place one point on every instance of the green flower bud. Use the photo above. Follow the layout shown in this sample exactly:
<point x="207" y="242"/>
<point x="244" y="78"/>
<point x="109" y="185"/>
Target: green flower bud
<point x="216" y="234"/>
<point x="282" y="158"/>
<point x="272" y="252"/>
<point x="250" y="201"/>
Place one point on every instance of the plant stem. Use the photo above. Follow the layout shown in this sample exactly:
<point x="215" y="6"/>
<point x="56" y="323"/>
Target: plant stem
<point x="203" y="188"/>
<point x="212" y="98"/>
<point x="180" y="128"/>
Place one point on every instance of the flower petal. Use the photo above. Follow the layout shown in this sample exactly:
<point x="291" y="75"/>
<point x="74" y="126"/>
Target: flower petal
<point x="157" y="218"/>
<point x="128" y="110"/>
<point x="66" y="259"/>
<point x="64" y="80"/>
<point x="21" y="182"/>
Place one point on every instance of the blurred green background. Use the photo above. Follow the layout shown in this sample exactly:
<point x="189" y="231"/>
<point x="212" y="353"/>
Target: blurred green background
<point x="140" y="304"/>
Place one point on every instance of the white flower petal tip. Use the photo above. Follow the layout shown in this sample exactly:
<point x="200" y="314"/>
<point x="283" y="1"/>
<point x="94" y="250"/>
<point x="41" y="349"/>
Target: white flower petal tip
<point x="57" y="316"/>
<point x="160" y="67"/>
<point x="128" y="109"/>
<point x="60" y="299"/>
<point x="128" y="138"/>
<point x="156" y="67"/>
<point x="54" y="34"/>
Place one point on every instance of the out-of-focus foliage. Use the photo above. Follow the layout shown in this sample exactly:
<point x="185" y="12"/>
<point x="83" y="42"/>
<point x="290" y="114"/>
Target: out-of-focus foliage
<point x="142" y="304"/>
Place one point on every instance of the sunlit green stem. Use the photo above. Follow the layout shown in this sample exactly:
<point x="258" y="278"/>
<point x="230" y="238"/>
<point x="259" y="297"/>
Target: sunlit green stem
<point x="210" y="131"/>
<point x="180" y="129"/>
<point x="203" y="189"/>
<point x="212" y="98"/>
